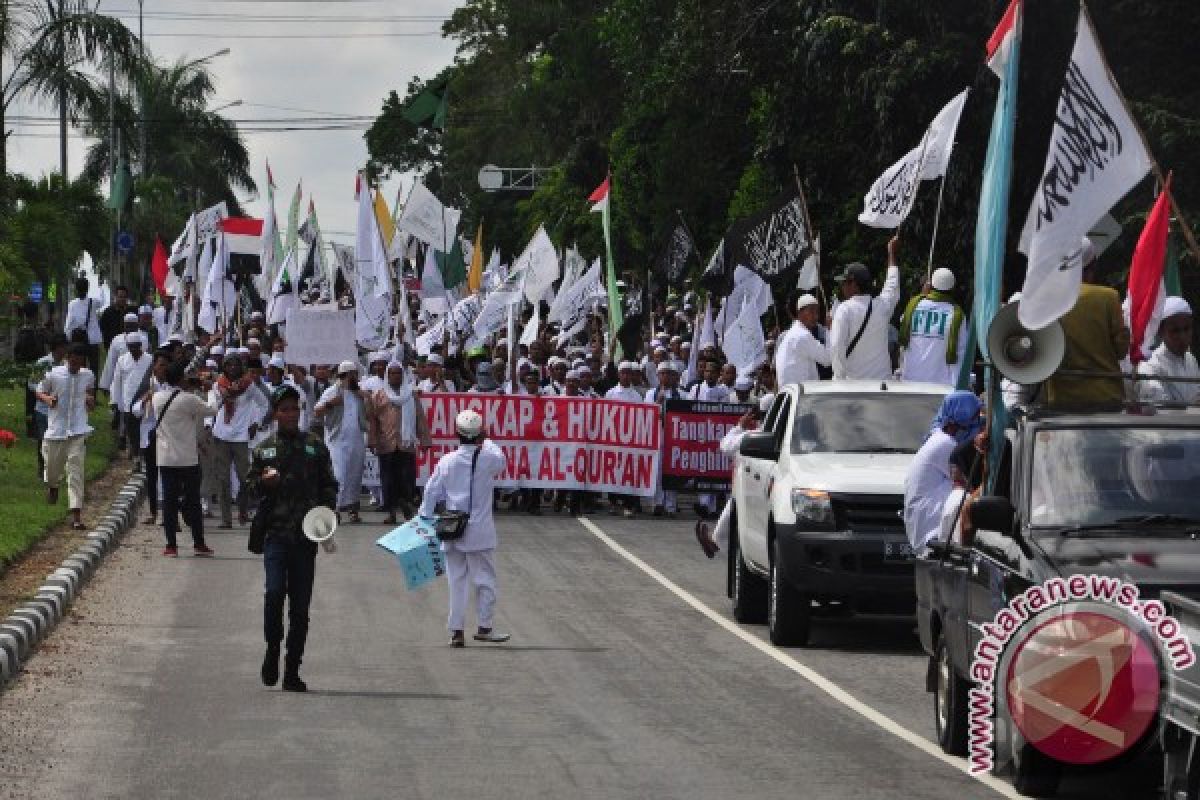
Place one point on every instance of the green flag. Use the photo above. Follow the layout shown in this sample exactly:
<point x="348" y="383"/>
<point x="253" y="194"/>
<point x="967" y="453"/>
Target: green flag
<point x="601" y="201"/>
<point x="452" y="265"/>
<point x="119" y="185"/>
<point x="428" y="107"/>
<point x="1171" y="273"/>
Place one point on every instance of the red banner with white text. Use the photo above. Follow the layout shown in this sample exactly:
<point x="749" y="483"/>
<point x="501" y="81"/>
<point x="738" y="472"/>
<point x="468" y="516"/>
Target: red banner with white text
<point x="556" y="442"/>
<point x="692" y="457"/>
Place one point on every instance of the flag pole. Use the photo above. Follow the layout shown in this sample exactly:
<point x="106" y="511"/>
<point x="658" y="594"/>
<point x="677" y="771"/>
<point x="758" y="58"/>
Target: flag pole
<point x="811" y="235"/>
<point x="1184" y="226"/>
<point x="937" y="218"/>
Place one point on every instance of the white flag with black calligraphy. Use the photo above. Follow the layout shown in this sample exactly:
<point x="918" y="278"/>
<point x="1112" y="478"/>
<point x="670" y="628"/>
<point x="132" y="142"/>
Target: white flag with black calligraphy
<point x="891" y="198"/>
<point x="744" y="344"/>
<point x="1096" y="156"/>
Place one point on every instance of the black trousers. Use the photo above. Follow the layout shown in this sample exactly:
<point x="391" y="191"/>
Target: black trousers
<point x="150" y="460"/>
<point x="181" y="493"/>
<point x="132" y="432"/>
<point x="398" y="476"/>
<point x="290" y="567"/>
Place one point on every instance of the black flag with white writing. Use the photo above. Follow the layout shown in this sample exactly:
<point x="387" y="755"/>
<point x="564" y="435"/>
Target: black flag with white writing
<point x="773" y="243"/>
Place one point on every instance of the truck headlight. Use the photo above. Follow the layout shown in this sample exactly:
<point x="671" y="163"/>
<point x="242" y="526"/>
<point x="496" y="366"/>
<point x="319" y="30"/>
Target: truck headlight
<point x="813" y="507"/>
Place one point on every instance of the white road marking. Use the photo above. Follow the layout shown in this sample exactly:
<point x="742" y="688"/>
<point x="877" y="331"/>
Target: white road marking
<point x="818" y="680"/>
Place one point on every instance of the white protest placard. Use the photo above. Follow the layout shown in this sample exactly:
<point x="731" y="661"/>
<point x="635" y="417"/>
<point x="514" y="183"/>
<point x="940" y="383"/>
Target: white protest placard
<point x="320" y="336"/>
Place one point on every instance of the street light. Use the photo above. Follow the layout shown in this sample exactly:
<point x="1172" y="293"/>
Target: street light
<point x="222" y="52"/>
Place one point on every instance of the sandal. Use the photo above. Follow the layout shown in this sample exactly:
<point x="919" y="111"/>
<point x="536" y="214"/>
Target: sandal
<point x="355" y="518"/>
<point x="78" y="526"/>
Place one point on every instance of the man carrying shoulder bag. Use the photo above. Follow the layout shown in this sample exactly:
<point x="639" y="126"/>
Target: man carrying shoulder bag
<point x="463" y="482"/>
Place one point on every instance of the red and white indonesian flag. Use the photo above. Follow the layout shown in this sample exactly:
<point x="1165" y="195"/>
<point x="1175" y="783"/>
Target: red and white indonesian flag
<point x="243" y="235"/>
<point x="1147" y="294"/>
<point x="1004" y="38"/>
<point x="599" y="198"/>
<point x="1096" y="156"/>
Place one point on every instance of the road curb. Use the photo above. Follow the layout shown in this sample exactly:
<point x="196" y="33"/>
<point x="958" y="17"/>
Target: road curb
<point x="32" y="621"/>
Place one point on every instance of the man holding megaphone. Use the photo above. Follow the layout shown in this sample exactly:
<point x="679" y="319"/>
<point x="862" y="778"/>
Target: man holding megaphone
<point x="292" y="473"/>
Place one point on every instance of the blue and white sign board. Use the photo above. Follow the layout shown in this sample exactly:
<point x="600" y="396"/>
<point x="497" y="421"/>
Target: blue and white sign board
<point x="35" y="292"/>
<point x="124" y="242"/>
<point x="417" y="548"/>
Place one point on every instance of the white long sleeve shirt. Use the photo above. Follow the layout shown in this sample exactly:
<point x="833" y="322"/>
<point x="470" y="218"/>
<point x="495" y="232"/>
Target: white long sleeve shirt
<point x="1163" y="362"/>
<point x="84" y="312"/>
<point x="798" y="354"/>
<point x="249" y="409"/>
<point x="925" y="355"/>
<point x="871" y="359"/>
<point x="711" y="394"/>
<point x="69" y="417"/>
<point x="116" y="348"/>
<point x="626" y="393"/>
<point x="127" y="377"/>
<point x="451" y="485"/>
<point x="144" y="410"/>
<point x="926" y="487"/>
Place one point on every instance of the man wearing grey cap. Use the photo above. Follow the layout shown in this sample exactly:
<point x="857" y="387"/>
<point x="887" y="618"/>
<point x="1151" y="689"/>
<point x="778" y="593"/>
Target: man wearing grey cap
<point x="858" y="339"/>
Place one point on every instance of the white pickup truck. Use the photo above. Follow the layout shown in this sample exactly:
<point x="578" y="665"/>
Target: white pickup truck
<point x="818" y="494"/>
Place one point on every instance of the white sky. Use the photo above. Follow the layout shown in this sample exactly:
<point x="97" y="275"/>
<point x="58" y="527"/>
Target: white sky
<point x="346" y="76"/>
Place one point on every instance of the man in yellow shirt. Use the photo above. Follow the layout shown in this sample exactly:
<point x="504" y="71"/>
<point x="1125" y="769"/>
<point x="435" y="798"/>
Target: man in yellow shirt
<point x="1097" y="341"/>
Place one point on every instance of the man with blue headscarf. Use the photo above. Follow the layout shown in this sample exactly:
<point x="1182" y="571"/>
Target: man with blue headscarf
<point x="928" y="482"/>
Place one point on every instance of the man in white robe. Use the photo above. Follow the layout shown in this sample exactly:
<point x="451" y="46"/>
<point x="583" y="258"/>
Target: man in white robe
<point x="344" y="415"/>
<point x="1172" y="359"/>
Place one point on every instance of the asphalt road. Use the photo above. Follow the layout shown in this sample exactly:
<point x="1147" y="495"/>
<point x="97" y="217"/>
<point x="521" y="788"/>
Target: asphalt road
<point x="613" y="686"/>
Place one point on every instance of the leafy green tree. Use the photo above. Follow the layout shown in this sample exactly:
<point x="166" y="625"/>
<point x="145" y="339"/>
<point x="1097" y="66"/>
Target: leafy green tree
<point x="194" y="157"/>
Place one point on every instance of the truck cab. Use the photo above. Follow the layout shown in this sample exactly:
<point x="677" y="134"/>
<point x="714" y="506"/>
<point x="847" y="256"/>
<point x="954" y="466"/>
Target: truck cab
<point x="818" y="494"/>
<point x="1108" y="494"/>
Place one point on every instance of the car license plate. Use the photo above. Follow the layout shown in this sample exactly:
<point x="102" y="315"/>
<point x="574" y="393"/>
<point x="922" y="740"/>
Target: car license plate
<point x="894" y="551"/>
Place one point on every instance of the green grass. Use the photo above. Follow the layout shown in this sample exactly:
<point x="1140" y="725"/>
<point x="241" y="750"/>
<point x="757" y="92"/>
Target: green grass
<point x="24" y="515"/>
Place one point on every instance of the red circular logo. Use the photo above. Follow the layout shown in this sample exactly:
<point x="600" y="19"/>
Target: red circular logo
<point x="1083" y="687"/>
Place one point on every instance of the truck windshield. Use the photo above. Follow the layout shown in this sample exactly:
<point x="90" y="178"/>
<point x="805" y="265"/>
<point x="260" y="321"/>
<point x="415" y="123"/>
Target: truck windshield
<point x="1120" y="477"/>
<point x="886" y="422"/>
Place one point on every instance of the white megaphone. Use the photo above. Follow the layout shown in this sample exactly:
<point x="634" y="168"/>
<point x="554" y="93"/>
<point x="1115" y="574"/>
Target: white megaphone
<point x="1024" y="356"/>
<point x="319" y="525"/>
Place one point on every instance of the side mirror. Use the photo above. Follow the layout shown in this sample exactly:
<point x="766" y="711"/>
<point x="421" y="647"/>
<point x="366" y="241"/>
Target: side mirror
<point x="759" y="445"/>
<point x="994" y="514"/>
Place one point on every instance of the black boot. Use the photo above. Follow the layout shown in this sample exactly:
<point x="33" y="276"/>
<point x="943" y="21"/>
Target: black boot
<point x="291" y="677"/>
<point x="270" y="666"/>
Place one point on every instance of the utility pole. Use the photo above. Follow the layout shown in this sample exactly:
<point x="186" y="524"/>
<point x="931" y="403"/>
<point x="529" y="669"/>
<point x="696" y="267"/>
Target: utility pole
<point x="114" y="274"/>
<point x="144" y="73"/>
<point x="62" y="101"/>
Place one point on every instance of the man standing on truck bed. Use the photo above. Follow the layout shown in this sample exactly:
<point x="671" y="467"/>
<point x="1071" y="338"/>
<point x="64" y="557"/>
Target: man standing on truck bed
<point x="1097" y="341"/>
<point x="858" y="338"/>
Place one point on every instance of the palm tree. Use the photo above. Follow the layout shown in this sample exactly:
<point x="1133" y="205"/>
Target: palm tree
<point x="193" y="157"/>
<point x="47" y="47"/>
<point x="197" y="150"/>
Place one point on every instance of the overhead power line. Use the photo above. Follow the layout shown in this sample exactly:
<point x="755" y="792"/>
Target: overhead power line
<point x="325" y="35"/>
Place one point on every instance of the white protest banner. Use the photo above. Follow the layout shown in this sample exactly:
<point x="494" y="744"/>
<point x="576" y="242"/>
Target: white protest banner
<point x="433" y="291"/>
<point x="892" y="196"/>
<point x="434" y="336"/>
<point x="322" y="335"/>
<point x="556" y="442"/>
<point x="461" y="320"/>
<point x="572" y="302"/>
<point x="539" y="262"/>
<point x="425" y="218"/>
<point x="744" y="344"/>
<point x="204" y="225"/>
<point x="371" y="475"/>
<point x="495" y="308"/>
<point x="1096" y="156"/>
